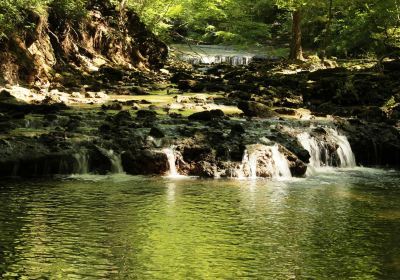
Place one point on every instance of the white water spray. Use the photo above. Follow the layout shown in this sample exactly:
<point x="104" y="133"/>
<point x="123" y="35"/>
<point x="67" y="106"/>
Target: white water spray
<point x="268" y="158"/>
<point x="281" y="169"/>
<point x="169" y="152"/>
<point x="320" y="154"/>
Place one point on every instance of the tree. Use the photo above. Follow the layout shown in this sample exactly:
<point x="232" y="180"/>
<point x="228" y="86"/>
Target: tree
<point x="295" y="7"/>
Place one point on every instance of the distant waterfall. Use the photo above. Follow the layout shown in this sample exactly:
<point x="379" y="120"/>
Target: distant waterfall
<point x="169" y="152"/>
<point x="266" y="159"/>
<point x="217" y="59"/>
<point x="322" y="153"/>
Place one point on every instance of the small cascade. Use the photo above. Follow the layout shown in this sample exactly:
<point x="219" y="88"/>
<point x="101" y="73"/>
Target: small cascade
<point x="116" y="163"/>
<point x="250" y="159"/>
<point x="281" y="169"/>
<point x="115" y="159"/>
<point x="169" y="152"/>
<point x="332" y="149"/>
<point x="346" y="155"/>
<point x="82" y="162"/>
<point x="266" y="158"/>
<point x="315" y="149"/>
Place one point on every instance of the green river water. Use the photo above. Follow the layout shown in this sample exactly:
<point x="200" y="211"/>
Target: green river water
<point x="340" y="224"/>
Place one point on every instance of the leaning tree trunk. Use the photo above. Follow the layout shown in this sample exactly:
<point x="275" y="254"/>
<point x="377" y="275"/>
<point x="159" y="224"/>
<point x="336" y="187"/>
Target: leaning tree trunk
<point x="296" y="51"/>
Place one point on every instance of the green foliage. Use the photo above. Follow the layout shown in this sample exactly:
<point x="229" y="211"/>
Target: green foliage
<point x="72" y="10"/>
<point x="13" y="14"/>
<point x="353" y="28"/>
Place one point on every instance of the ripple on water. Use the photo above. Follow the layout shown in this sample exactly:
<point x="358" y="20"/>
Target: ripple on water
<point x="338" y="224"/>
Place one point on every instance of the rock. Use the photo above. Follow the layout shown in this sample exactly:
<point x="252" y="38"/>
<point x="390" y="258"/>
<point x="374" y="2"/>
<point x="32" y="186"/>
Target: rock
<point x="113" y="106"/>
<point x="182" y="99"/>
<point x="286" y="111"/>
<point x="164" y="71"/>
<point x="207" y="115"/>
<point x="144" y="162"/>
<point x="255" y="109"/>
<point x="146" y="114"/>
<point x="294" y="101"/>
<point x="76" y="94"/>
<point x="156" y="132"/>
<point x="372" y="114"/>
<point x="123" y="117"/>
<point x="135" y="107"/>
<point x="138" y="91"/>
<point x="112" y="73"/>
<point x="237" y="129"/>
<point x="178" y="76"/>
<point x="190" y="85"/>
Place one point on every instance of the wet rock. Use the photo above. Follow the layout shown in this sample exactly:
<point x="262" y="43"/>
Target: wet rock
<point x="145" y="162"/>
<point x="255" y="109"/>
<point x="373" y="143"/>
<point x="98" y="162"/>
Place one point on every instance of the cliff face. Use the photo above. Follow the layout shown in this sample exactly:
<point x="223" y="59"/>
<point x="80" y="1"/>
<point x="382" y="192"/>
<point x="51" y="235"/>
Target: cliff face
<point x="106" y="36"/>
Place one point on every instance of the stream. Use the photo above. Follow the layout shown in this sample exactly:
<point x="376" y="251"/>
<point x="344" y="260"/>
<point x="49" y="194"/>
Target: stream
<point x="336" y="224"/>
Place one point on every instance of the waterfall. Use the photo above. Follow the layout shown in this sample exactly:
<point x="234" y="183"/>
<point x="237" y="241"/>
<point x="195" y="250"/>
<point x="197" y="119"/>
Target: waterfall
<point x="344" y="151"/>
<point x="281" y="169"/>
<point x="116" y="164"/>
<point x="82" y="162"/>
<point x="266" y="158"/>
<point x="322" y="152"/>
<point x="250" y="159"/>
<point x="115" y="159"/>
<point x="315" y="149"/>
<point x="169" y="152"/>
<point x="217" y="59"/>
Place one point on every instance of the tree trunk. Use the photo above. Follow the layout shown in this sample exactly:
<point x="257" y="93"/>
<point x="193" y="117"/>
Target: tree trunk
<point x="296" y="51"/>
<point x="328" y="29"/>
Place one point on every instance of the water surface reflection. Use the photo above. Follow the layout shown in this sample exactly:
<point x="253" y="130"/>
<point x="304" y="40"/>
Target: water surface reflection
<point x="337" y="225"/>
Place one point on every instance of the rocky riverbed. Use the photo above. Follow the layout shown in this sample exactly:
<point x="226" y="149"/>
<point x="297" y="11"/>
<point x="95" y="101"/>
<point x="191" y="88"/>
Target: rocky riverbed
<point x="212" y="120"/>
